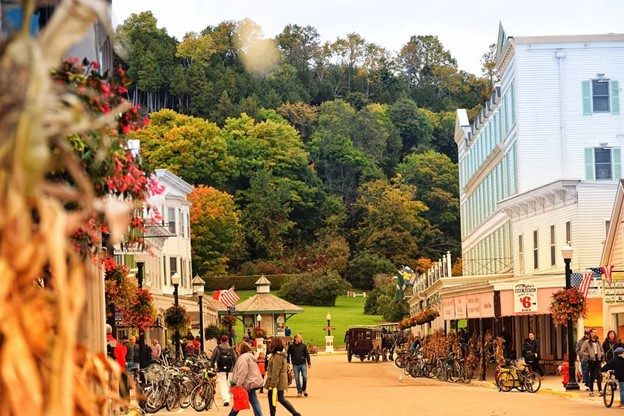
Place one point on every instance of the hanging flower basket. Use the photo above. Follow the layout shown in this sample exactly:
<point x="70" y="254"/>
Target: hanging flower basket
<point x="227" y="320"/>
<point x="419" y="318"/>
<point x="259" y="332"/>
<point x="212" y="332"/>
<point x="568" y="304"/>
<point x="142" y="312"/>
<point x="176" y="318"/>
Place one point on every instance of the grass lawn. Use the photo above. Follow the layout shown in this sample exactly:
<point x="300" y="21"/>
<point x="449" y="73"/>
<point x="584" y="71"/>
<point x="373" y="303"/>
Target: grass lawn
<point x="348" y="311"/>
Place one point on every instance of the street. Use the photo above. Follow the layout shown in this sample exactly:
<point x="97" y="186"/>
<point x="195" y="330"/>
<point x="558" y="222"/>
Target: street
<point x="367" y="388"/>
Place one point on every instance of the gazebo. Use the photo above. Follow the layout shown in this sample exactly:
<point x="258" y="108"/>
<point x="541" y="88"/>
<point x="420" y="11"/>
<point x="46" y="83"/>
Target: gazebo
<point x="264" y="310"/>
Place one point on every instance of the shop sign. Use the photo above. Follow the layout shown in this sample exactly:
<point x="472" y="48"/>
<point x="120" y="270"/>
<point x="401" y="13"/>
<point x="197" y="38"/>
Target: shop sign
<point x="473" y="306"/>
<point x="525" y="298"/>
<point x="448" y="309"/>
<point x="615" y="292"/>
<point x="487" y="305"/>
<point x="460" y="307"/>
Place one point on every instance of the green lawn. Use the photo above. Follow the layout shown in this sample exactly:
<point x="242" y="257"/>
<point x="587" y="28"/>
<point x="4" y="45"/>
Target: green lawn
<point x="348" y="311"/>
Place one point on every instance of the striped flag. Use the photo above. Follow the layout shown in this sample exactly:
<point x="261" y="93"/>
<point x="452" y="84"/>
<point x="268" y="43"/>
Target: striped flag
<point x="606" y="270"/>
<point x="582" y="281"/>
<point x="227" y="297"/>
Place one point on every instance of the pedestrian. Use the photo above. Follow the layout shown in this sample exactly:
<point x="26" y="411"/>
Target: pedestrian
<point x="609" y="345"/>
<point x="249" y="334"/>
<point x="145" y="352"/>
<point x="415" y="344"/>
<point x="287" y="332"/>
<point x="197" y="345"/>
<point x="592" y="350"/>
<point x="129" y="351"/>
<point x="156" y="349"/>
<point x="277" y="377"/>
<point x="232" y="330"/>
<point x="189" y="348"/>
<point x="531" y="353"/>
<point x="617" y="365"/>
<point x="246" y="374"/>
<point x="137" y="352"/>
<point x="583" y="360"/>
<point x="262" y="367"/>
<point x="115" y="349"/>
<point x="223" y="360"/>
<point x="299" y="357"/>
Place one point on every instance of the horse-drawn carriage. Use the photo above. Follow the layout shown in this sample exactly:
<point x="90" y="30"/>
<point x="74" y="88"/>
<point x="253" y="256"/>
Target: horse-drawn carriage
<point x="364" y="342"/>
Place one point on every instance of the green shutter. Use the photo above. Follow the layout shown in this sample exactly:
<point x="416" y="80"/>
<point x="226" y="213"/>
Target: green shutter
<point x="617" y="163"/>
<point x="587" y="110"/>
<point x="615" y="98"/>
<point x="589" y="163"/>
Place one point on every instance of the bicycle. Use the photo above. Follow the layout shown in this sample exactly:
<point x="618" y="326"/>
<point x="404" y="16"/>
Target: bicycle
<point x="608" y="391"/>
<point x="518" y="376"/>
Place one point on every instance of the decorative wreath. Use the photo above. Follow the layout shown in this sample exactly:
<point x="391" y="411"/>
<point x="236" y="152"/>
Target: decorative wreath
<point x="568" y="304"/>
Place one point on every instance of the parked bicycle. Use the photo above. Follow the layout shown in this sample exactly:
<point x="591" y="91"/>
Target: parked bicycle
<point x="517" y="375"/>
<point x="610" y="386"/>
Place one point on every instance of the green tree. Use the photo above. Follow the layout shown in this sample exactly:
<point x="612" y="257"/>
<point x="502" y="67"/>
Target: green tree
<point x="216" y="230"/>
<point x="413" y="126"/>
<point x="364" y="266"/>
<point x="301" y="115"/>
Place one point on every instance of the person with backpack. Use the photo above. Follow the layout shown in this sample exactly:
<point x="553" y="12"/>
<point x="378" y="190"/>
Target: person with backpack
<point x="223" y="359"/>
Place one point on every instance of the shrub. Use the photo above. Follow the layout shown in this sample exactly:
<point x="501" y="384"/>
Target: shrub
<point x="247" y="282"/>
<point x="394" y="311"/>
<point x="364" y="266"/>
<point x="377" y="297"/>
<point x="314" y="289"/>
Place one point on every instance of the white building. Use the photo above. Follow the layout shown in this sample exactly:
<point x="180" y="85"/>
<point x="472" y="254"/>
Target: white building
<point x="539" y="167"/>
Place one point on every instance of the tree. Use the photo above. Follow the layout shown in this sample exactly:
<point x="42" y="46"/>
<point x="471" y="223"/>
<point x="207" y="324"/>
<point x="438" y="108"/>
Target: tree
<point x="488" y="68"/>
<point x="420" y="54"/>
<point x="364" y="266"/>
<point x="301" y="115"/>
<point x="436" y="184"/>
<point x="413" y="126"/>
<point x="216" y="230"/>
<point x="314" y="289"/>
<point x="190" y="147"/>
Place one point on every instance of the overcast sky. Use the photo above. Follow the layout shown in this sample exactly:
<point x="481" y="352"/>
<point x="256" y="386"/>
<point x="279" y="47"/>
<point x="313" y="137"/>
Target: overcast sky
<point x="464" y="27"/>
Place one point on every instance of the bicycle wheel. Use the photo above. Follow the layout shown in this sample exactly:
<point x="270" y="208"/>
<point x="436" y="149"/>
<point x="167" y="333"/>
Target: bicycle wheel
<point x="454" y="372"/>
<point x="185" y="393"/>
<point x="505" y="381"/>
<point x="154" y="398"/>
<point x="201" y="396"/>
<point x="172" y="400"/>
<point x="532" y="382"/>
<point x="400" y="361"/>
<point x="608" y="393"/>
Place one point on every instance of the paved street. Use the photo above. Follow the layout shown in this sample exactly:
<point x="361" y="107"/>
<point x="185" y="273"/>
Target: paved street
<point x="358" y="389"/>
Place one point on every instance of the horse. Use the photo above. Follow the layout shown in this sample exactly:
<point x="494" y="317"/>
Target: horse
<point x="391" y="340"/>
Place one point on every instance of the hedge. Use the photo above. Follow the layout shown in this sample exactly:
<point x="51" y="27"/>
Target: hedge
<point x="247" y="282"/>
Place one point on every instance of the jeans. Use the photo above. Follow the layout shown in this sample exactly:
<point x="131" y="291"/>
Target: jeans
<point x="282" y="400"/>
<point x="301" y="370"/>
<point x="621" y="387"/>
<point x="585" y="372"/>
<point x="253" y="401"/>
<point x="594" y="374"/>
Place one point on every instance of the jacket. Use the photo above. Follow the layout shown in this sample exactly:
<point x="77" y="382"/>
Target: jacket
<point x="116" y="350"/>
<point x="579" y="345"/>
<point x="609" y="347"/>
<point x="277" y="376"/>
<point x="217" y="352"/>
<point x="587" y="351"/>
<point x="617" y="365"/>
<point x="531" y="347"/>
<point x="246" y="373"/>
<point x="298" y="354"/>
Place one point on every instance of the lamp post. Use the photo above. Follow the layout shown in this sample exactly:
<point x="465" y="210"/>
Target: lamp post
<point x="259" y="319"/>
<point x="567" y="252"/>
<point x="328" y="317"/>
<point x="175" y="281"/>
<point x="198" y="285"/>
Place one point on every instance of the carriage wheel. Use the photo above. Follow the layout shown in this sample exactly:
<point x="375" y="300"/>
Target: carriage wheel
<point x="362" y="357"/>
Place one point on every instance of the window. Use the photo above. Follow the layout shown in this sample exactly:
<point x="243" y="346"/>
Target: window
<point x="521" y="253"/>
<point x="600" y="95"/>
<point x="173" y="265"/>
<point x="181" y="220"/>
<point x="165" y="278"/>
<point x="535" y="252"/>
<point x="553" y="257"/>
<point x="171" y="220"/>
<point x="602" y="164"/>
<point x="569" y="232"/>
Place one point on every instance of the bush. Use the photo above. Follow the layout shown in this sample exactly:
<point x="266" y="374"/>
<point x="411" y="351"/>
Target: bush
<point x="314" y="289"/>
<point x="378" y="297"/>
<point x="394" y="311"/>
<point x="247" y="282"/>
<point x="364" y="266"/>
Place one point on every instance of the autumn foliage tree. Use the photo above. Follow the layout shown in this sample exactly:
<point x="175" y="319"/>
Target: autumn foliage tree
<point x="215" y="230"/>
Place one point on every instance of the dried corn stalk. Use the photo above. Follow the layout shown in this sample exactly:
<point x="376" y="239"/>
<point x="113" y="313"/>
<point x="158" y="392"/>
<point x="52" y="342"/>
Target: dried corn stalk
<point x="42" y="369"/>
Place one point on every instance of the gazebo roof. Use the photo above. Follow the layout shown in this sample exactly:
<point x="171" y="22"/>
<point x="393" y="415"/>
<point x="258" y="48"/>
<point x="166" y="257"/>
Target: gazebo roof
<point x="266" y="303"/>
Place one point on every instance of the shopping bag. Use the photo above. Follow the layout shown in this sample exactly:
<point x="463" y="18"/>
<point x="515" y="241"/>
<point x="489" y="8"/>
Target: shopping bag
<point x="241" y="398"/>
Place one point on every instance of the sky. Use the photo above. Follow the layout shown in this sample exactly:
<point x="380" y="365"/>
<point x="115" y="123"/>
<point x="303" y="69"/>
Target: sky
<point x="466" y="28"/>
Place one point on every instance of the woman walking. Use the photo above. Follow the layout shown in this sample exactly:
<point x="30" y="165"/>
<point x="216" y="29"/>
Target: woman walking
<point x="277" y="378"/>
<point x="592" y="351"/>
<point x="609" y="345"/>
<point x="246" y="374"/>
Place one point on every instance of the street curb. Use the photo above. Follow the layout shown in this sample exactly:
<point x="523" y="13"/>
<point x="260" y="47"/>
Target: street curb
<point x="547" y="391"/>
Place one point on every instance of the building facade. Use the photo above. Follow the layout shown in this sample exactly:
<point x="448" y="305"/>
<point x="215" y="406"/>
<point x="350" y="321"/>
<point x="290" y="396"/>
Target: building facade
<point x="539" y="166"/>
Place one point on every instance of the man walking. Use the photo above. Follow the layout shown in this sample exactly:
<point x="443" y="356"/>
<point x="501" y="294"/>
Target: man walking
<point x="583" y="360"/>
<point x="299" y="357"/>
<point x="531" y="353"/>
<point x="223" y="359"/>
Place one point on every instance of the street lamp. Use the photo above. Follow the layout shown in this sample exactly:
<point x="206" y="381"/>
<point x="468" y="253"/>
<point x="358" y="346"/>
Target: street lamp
<point x="259" y="319"/>
<point x="198" y="285"/>
<point x="328" y="317"/>
<point x="566" y="253"/>
<point x="175" y="281"/>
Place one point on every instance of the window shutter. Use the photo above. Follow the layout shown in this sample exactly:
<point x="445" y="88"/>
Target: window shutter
<point x="615" y="98"/>
<point x="617" y="163"/>
<point x="589" y="163"/>
<point x="587" y="109"/>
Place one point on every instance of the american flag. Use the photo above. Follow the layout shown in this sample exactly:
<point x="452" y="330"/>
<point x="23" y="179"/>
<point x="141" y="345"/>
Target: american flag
<point x="582" y="281"/>
<point x="227" y="297"/>
<point x="606" y="270"/>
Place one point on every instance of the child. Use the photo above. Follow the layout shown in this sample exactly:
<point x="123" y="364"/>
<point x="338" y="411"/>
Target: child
<point x="262" y="367"/>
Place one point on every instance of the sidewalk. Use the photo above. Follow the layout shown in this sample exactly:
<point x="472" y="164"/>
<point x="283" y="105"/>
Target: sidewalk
<point x="552" y="385"/>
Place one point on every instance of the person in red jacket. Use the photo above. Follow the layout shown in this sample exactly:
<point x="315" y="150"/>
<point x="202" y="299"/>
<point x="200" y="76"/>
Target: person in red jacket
<point x="115" y="349"/>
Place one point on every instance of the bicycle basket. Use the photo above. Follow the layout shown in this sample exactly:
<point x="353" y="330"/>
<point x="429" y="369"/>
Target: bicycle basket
<point x="521" y="364"/>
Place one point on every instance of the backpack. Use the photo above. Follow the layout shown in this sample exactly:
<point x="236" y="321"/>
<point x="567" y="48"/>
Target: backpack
<point x="225" y="359"/>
